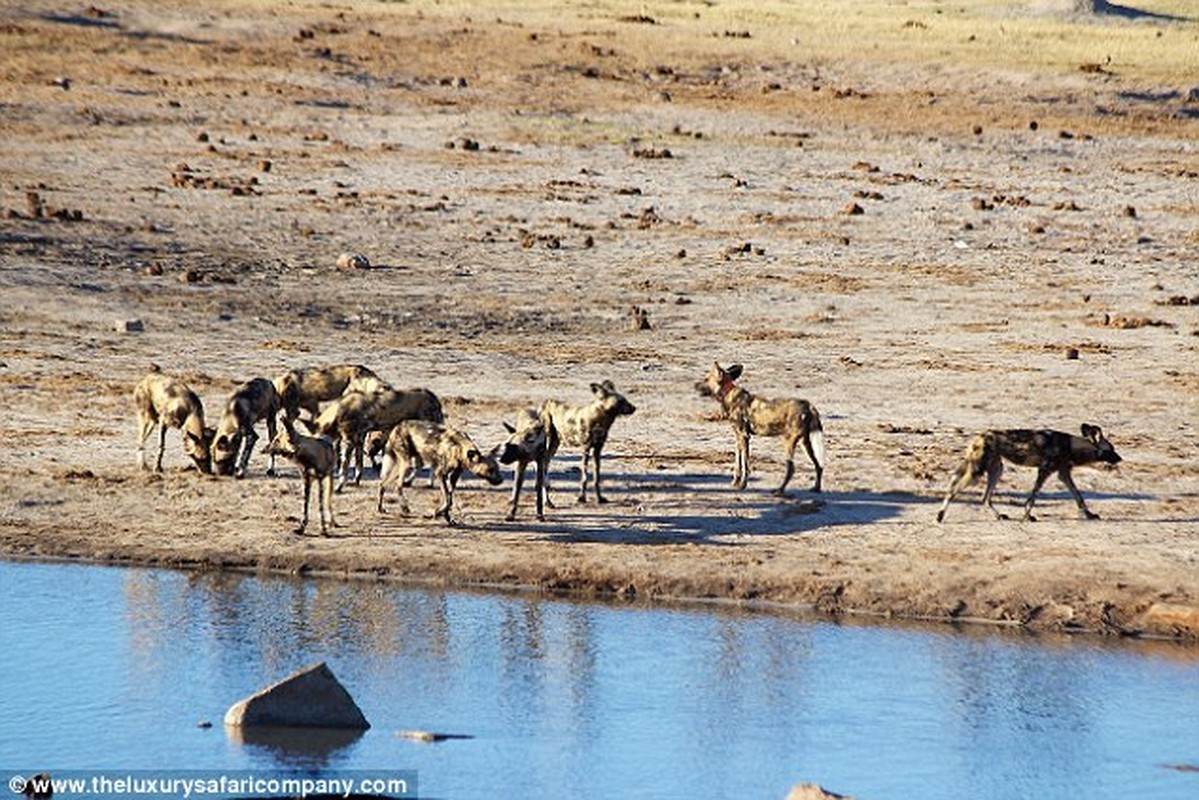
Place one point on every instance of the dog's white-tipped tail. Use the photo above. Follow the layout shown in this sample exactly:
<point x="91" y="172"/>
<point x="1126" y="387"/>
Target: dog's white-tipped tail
<point x="817" y="439"/>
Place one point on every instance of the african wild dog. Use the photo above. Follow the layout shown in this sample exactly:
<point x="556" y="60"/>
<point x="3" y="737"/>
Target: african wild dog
<point x="1048" y="451"/>
<point x="305" y="389"/>
<point x="252" y="402"/>
<point x="353" y="416"/>
<point x="533" y="439"/>
<point x="795" y="420"/>
<point x="315" y="457"/>
<point x="168" y="402"/>
<point x="586" y="427"/>
<point x="448" y="451"/>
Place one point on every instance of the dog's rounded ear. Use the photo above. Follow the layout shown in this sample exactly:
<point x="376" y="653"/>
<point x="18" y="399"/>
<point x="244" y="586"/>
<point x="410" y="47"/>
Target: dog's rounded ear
<point x="733" y="372"/>
<point x="473" y="455"/>
<point x="597" y="388"/>
<point x="609" y="385"/>
<point x="1091" y="432"/>
<point x="508" y="427"/>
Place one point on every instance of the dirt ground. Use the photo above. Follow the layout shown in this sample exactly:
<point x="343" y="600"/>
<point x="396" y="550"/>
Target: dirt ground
<point x="926" y="220"/>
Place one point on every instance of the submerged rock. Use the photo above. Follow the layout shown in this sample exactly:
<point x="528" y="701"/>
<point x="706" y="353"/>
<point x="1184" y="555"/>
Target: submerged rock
<point x="311" y="698"/>
<point x="810" y="791"/>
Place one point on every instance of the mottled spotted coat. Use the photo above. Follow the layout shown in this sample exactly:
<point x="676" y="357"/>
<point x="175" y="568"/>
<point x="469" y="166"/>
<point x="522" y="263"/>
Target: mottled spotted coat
<point x="533" y="439"/>
<point x="1048" y="450"/>
<point x="168" y="403"/>
<point x="252" y="402"/>
<point x="449" y="452"/>
<point x="587" y="427"/>
<point x="797" y="421"/>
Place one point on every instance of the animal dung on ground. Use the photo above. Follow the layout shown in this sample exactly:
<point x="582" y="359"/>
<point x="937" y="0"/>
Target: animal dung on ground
<point x="353" y="261"/>
<point x="310" y="698"/>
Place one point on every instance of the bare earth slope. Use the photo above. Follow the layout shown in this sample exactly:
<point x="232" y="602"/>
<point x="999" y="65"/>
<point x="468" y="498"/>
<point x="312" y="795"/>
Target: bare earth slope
<point x="927" y="222"/>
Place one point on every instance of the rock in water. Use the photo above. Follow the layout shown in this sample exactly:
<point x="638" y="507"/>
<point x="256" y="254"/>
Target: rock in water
<point x="811" y="791"/>
<point x="311" y="698"/>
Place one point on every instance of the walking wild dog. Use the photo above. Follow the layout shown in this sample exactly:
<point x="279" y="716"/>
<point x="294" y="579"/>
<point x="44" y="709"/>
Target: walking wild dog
<point x="1048" y="451"/>
<point x="234" y="440"/>
<point x="586" y="427"/>
<point x="795" y="420"/>
<point x="305" y="389"/>
<point x="167" y="402"/>
<point x="533" y="439"/>
<point x="448" y="451"/>
<point x="315" y="457"/>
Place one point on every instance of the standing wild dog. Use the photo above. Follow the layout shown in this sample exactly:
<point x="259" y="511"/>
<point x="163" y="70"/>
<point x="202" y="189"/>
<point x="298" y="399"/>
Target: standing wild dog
<point x="305" y="389"/>
<point x="234" y="440"/>
<point x="315" y="457"/>
<point x="533" y="439"/>
<point x="1048" y="451"/>
<point x="448" y="451"/>
<point x="168" y="403"/>
<point x="354" y="415"/>
<point x="795" y="420"/>
<point x="586" y="427"/>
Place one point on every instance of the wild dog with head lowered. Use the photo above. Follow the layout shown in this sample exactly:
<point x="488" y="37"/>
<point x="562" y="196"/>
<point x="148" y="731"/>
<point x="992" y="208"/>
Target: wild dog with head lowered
<point x="1049" y="451"/>
<point x="586" y="427"/>
<point x="168" y="403"/>
<point x="448" y="451"/>
<point x="315" y="457"/>
<point x="533" y="439"/>
<point x="252" y="402"/>
<point x="793" y="419"/>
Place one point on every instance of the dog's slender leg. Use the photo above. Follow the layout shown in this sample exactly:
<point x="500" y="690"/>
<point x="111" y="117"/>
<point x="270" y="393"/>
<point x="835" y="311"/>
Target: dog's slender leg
<point x="342" y="451"/>
<point x="994" y="468"/>
<point x="307" y="494"/>
<point x="162" y="445"/>
<point x="358" y="444"/>
<point x="788" y="468"/>
<point x="1042" y="473"/>
<point x="542" y="495"/>
<point x="582" y="497"/>
<point x="599" y="498"/>
<point x="807" y="446"/>
<point x="404" y="509"/>
<point x="325" y="488"/>
<point x="271" y="430"/>
<point x="447" y="493"/>
<point x="518" y="478"/>
<point x="741" y="464"/>
<point x="1064" y="474"/>
<point x="961" y="479"/>
<point x="546" y="487"/>
<point x="788" y="471"/>
<point x="145" y="427"/>
<point x="248" y="442"/>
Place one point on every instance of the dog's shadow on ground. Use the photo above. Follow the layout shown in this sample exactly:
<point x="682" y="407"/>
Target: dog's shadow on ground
<point x="632" y="517"/>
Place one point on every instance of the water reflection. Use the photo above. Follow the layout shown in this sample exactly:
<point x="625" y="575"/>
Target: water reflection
<point x="561" y="697"/>
<point x="295" y="748"/>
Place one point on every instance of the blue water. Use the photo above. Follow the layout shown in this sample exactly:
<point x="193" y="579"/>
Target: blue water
<point x="112" y="669"/>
